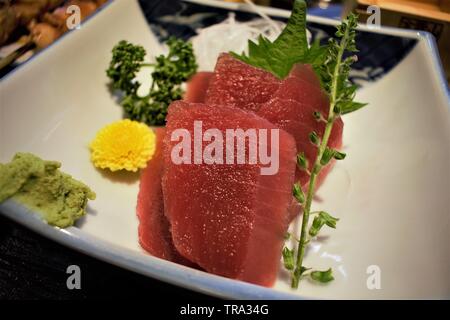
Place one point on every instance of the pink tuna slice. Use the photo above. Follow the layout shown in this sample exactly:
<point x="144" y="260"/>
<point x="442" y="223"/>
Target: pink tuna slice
<point x="288" y="103"/>
<point x="197" y="86"/>
<point x="305" y="72"/>
<point x="228" y="218"/>
<point x="291" y="108"/>
<point x="240" y="85"/>
<point x="154" y="228"/>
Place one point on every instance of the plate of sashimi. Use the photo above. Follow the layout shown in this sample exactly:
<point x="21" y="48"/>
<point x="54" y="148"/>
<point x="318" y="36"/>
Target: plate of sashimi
<point x="240" y="151"/>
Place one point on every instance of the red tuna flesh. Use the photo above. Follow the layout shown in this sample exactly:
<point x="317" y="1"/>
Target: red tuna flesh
<point x="305" y="72"/>
<point x="288" y="104"/>
<point x="228" y="218"/>
<point x="238" y="84"/>
<point x="197" y="86"/>
<point x="291" y="108"/>
<point x="282" y="113"/>
<point x="154" y="228"/>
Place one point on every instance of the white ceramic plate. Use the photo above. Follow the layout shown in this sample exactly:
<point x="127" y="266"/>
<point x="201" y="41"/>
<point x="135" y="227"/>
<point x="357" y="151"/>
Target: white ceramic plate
<point x="391" y="193"/>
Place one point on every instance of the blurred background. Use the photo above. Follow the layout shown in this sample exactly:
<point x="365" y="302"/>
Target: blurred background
<point x="27" y="26"/>
<point x="427" y="15"/>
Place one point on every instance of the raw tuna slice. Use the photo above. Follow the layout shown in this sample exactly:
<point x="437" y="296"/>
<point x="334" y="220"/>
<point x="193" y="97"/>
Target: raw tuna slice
<point x="298" y="120"/>
<point x="291" y="108"/>
<point x="288" y="103"/>
<point x="154" y="228"/>
<point x="197" y="87"/>
<point x="305" y="72"/>
<point x="227" y="218"/>
<point x="238" y="84"/>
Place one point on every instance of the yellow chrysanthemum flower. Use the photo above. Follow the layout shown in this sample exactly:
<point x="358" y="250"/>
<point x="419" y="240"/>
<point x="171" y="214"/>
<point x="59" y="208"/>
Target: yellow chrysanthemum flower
<point x="124" y="144"/>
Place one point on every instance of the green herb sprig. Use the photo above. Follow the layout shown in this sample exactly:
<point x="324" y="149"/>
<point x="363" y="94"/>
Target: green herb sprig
<point x="169" y="72"/>
<point x="334" y="75"/>
<point x="289" y="48"/>
<point x="333" y="69"/>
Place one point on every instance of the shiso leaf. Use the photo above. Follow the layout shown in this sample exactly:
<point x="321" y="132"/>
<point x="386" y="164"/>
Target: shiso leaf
<point x="289" y="48"/>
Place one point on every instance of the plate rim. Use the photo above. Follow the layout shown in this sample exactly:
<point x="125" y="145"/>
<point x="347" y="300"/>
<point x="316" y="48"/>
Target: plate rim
<point x="142" y="263"/>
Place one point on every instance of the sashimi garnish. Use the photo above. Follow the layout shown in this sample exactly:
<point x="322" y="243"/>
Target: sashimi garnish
<point x="279" y="57"/>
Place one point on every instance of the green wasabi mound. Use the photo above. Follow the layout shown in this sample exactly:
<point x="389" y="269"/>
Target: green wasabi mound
<point x="42" y="187"/>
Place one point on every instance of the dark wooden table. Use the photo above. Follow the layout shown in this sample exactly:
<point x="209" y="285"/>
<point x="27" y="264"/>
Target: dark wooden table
<point x="33" y="267"/>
